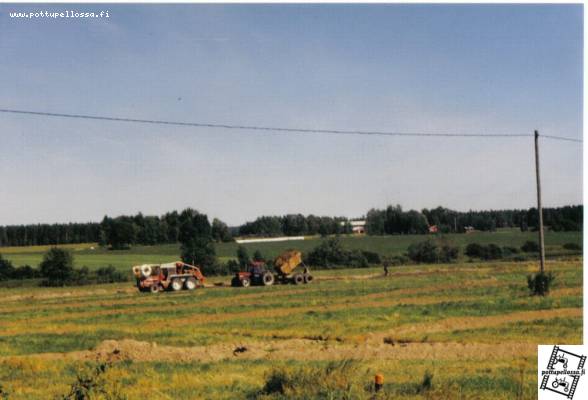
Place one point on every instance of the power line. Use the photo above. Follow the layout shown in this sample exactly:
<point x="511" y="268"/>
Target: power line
<point x="275" y="129"/>
<point x="562" y="138"/>
<point x="251" y="127"/>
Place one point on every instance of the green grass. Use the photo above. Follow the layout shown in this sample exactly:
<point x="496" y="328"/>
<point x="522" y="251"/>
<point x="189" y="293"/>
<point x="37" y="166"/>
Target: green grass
<point x="485" y="306"/>
<point x="340" y="310"/>
<point x="509" y="295"/>
<point x="92" y="256"/>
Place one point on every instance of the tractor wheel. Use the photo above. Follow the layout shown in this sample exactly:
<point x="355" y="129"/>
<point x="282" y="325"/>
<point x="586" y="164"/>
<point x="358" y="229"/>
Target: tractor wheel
<point x="308" y="278"/>
<point x="176" y="284"/>
<point x="298" y="279"/>
<point x="235" y="282"/>
<point x="190" y="284"/>
<point x="154" y="288"/>
<point x="268" y="279"/>
<point x="245" y="282"/>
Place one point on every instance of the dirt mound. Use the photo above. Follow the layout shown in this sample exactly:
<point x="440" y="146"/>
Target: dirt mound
<point x="395" y="344"/>
<point x="292" y="349"/>
<point x="128" y="349"/>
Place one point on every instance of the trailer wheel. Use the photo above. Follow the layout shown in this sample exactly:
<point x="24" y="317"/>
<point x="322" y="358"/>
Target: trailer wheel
<point x="245" y="282"/>
<point x="176" y="284"/>
<point x="190" y="284"/>
<point x="154" y="288"/>
<point x="298" y="279"/>
<point x="268" y="279"/>
<point x="308" y="278"/>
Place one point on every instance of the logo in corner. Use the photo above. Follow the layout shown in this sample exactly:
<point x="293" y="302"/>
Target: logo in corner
<point x="560" y="370"/>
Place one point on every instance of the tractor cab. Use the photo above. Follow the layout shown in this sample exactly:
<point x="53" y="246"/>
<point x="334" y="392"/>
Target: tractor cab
<point x="257" y="268"/>
<point x="250" y="276"/>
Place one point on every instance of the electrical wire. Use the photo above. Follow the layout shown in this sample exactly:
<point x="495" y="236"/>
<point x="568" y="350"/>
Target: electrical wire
<point x="562" y="138"/>
<point x="278" y="129"/>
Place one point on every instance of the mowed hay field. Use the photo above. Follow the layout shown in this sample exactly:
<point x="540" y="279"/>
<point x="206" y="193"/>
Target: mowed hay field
<point x="93" y="256"/>
<point x="471" y="326"/>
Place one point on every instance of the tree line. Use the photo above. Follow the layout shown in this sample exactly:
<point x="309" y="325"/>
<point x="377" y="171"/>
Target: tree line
<point x="295" y="225"/>
<point x="49" y="234"/>
<point x="119" y="233"/>
<point x="173" y="227"/>
<point x="393" y="220"/>
<point x="126" y="230"/>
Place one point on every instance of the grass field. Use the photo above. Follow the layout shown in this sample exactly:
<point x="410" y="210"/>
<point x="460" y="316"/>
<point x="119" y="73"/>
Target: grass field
<point x="472" y="326"/>
<point x="92" y="256"/>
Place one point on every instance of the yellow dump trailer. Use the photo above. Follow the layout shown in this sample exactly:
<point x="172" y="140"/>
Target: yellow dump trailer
<point x="287" y="262"/>
<point x="288" y="267"/>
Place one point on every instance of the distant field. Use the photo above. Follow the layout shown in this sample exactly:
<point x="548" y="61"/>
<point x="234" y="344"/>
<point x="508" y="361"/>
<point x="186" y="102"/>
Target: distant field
<point x="473" y="326"/>
<point x="397" y="245"/>
<point x="385" y="245"/>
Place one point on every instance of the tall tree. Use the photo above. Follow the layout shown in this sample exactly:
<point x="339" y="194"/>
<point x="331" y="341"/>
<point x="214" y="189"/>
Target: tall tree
<point x="57" y="267"/>
<point x="220" y="231"/>
<point x="243" y="256"/>
<point x="6" y="269"/>
<point x="120" y="232"/>
<point x="195" y="235"/>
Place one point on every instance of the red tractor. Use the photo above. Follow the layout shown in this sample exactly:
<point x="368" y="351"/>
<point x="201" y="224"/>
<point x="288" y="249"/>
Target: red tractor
<point x="285" y="265"/>
<point x="173" y="276"/>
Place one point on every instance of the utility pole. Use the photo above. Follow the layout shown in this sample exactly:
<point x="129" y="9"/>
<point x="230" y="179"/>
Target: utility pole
<point x="539" y="207"/>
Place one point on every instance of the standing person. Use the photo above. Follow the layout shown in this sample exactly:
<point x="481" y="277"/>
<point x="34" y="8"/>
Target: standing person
<point x="386" y="265"/>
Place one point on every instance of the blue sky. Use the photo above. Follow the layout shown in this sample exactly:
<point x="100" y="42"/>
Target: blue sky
<point x="432" y="68"/>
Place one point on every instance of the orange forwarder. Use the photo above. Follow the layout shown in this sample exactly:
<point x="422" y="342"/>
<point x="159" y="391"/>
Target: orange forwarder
<point x="173" y="276"/>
